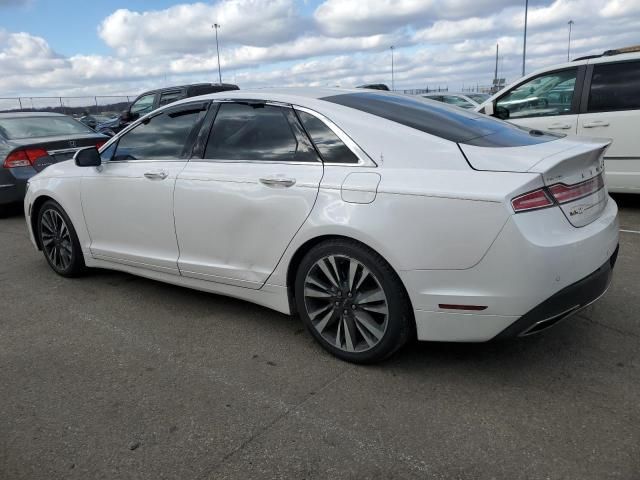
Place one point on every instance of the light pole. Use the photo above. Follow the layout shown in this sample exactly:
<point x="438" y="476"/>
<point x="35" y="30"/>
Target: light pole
<point x="570" y="22"/>
<point x="217" y="26"/>
<point x="392" y="80"/>
<point x="524" y="46"/>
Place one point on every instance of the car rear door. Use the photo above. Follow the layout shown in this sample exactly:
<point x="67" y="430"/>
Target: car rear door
<point x="611" y="109"/>
<point x="548" y="101"/>
<point x="241" y="202"/>
<point x="128" y="200"/>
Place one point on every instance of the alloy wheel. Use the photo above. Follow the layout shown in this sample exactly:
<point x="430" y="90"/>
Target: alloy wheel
<point x="56" y="239"/>
<point x="346" y="303"/>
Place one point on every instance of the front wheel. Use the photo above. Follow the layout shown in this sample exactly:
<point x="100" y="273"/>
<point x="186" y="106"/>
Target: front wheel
<point x="352" y="301"/>
<point x="59" y="240"/>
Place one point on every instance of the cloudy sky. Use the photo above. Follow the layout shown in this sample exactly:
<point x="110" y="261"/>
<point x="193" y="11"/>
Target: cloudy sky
<point x="78" y="47"/>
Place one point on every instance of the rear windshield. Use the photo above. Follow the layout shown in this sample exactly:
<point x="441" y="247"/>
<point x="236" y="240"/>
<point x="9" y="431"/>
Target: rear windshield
<point x="435" y="118"/>
<point x="34" y="127"/>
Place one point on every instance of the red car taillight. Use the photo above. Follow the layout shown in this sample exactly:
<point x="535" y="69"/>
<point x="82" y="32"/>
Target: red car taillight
<point x="24" y="158"/>
<point x="531" y="201"/>
<point x="568" y="193"/>
<point x="558" y="194"/>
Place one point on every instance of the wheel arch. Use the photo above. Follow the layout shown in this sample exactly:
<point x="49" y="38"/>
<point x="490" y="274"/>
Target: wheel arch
<point x="33" y="219"/>
<point x="302" y="250"/>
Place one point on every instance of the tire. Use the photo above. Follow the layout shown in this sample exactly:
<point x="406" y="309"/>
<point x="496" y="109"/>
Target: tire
<point x="59" y="240"/>
<point x="368" y="318"/>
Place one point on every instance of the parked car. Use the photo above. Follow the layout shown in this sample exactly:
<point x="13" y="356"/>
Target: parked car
<point x="30" y="142"/>
<point x="598" y="96"/>
<point x="151" y="100"/>
<point x="466" y="100"/>
<point x="374" y="216"/>
<point x="374" y="86"/>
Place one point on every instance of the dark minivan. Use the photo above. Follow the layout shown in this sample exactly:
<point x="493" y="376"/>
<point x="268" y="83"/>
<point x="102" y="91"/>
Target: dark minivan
<point x="149" y="101"/>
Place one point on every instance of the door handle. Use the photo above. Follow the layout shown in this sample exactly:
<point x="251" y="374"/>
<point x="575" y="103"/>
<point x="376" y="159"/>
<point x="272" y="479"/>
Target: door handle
<point x="595" y="124"/>
<point x="161" y="175"/>
<point x="559" y="126"/>
<point x="278" y="182"/>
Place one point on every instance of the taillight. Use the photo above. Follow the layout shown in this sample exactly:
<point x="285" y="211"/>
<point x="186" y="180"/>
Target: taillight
<point x="569" y="193"/>
<point x="24" y="158"/>
<point x="531" y="201"/>
<point x="100" y="144"/>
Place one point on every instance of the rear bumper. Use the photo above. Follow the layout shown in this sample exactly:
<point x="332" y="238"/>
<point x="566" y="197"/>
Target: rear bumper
<point x="563" y="304"/>
<point x="13" y="182"/>
<point x="537" y="256"/>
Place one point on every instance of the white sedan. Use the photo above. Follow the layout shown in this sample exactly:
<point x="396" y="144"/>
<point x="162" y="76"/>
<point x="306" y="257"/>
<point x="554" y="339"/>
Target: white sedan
<point x="375" y="217"/>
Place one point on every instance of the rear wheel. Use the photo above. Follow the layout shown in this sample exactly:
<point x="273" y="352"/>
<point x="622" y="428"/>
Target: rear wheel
<point x="59" y="240"/>
<point x="352" y="301"/>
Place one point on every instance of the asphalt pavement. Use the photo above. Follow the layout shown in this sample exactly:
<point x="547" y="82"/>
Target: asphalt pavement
<point x="112" y="376"/>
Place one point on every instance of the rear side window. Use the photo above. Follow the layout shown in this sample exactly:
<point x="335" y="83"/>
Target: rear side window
<point x="331" y="148"/>
<point x="250" y="132"/>
<point x="615" y="86"/>
<point x="162" y="137"/>
<point x="440" y="120"/>
<point x="168" y="97"/>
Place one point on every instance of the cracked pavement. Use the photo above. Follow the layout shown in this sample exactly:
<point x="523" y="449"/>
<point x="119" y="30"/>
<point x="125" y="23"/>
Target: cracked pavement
<point x="115" y="376"/>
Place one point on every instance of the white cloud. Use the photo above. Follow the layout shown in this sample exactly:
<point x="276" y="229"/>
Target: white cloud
<point x="345" y="42"/>
<point x="181" y="28"/>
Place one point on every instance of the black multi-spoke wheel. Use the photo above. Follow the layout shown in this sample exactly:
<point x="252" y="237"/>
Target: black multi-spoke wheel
<point x="352" y="301"/>
<point x="58" y="240"/>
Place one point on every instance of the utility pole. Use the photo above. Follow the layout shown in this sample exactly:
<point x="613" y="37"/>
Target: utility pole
<point x="495" y="76"/>
<point x="392" y="79"/>
<point x="524" y="46"/>
<point x="570" y="22"/>
<point x="217" y="26"/>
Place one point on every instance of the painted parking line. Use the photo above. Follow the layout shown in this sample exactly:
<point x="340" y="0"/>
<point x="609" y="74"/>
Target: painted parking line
<point x="630" y="231"/>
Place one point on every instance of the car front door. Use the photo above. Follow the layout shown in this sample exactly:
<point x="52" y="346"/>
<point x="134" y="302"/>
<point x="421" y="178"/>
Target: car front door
<point x="546" y="102"/>
<point x="128" y="200"/>
<point x="240" y="204"/>
<point x="611" y="106"/>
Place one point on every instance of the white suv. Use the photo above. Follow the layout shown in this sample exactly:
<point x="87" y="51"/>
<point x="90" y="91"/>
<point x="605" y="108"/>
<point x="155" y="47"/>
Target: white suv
<point x="596" y="96"/>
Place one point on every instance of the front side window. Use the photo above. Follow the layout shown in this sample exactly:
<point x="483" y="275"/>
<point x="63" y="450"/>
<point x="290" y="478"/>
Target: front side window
<point x="331" y="148"/>
<point x="142" y="106"/>
<point x="243" y="131"/>
<point x="162" y="137"/>
<point x="543" y="96"/>
<point x="615" y="86"/>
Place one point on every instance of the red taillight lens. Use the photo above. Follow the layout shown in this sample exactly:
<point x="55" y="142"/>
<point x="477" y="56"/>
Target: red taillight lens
<point x="17" y="159"/>
<point x="99" y="145"/>
<point x="568" y="193"/>
<point x="35" y="153"/>
<point x="531" y="201"/>
<point x="24" y="158"/>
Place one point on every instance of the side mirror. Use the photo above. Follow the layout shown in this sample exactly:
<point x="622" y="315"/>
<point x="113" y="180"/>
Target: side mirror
<point x="502" y="113"/>
<point x="488" y="109"/>
<point x="87" y="157"/>
<point x="126" y="116"/>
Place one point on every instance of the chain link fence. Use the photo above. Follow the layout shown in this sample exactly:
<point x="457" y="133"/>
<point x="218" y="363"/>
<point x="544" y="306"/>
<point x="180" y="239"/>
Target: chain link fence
<point x="106" y="106"/>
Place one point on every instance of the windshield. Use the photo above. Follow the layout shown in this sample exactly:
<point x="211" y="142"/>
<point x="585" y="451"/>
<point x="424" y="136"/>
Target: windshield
<point x="435" y="118"/>
<point x="34" y="127"/>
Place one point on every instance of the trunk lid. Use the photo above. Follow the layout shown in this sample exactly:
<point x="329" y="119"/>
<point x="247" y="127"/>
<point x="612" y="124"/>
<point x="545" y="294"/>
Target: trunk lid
<point x="572" y="169"/>
<point x="60" y="148"/>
